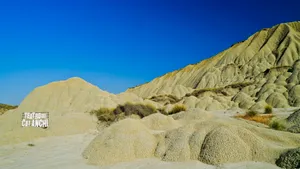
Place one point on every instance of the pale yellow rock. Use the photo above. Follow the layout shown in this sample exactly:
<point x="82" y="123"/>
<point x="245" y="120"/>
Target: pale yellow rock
<point x="68" y="103"/>
<point x="269" y="58"/>
<point x="126" y="140"/>
<point x="259" y="106"/>
<point x="213" y="139"/>
<point x="159" y="121"/>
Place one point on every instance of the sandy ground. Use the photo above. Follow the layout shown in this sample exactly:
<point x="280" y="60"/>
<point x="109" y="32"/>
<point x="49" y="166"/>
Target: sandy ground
<point x="64" y="152"/>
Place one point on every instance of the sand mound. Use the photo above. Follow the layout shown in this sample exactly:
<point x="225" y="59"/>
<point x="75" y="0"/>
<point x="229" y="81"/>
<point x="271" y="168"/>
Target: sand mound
<point x="216" y="140"/>
<point x="193" y="114"/>
<point x="159" y="121"/>
<point x="231" y="144"/>
<point x="223" y="145"/>
<point x="66" y="96"/>
<point x="66" y="101"/>
<point x="124" y="141"/>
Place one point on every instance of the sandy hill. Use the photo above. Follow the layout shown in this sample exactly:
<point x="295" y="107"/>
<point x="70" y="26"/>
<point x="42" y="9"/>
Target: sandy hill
<point x="263" y="68"/>
<point x="67" y="102"/>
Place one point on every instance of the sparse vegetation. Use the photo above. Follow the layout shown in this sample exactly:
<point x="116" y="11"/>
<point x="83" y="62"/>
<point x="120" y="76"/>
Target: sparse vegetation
<point x="177" y="109"/>
<point x="277" y="125"/>
<point x="220" y="90"/>
<point x="268" y="109"/>
<point x="251" y="113"/>
<point x="290" y="70"/>
<point x="264" y="119"/>
<point x="196" y="93"/>
<point x="103" y="114"/>
<point x="30" y="144"/>
<point x="239" y="85"/>
<point x="163" y="111"/>
<point x="141" y="110"/>
<point x="165" y="99"/>
<point x="6" y="107"/>
<point x="121" y="111"/>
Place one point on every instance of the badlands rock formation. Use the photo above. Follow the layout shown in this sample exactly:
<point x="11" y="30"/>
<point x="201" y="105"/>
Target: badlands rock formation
<point x="72" y="95"/>
<point x="191" y="135"/>
<point x="264" y="69"/>
<point x="66" y="101"/>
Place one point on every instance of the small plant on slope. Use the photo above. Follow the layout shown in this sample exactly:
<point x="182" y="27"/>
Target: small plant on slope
<point x="177" y="109"/>
<point x="277" y="125"/>
<point x="103" y="114"/>
<point x="251" y="113"/>
<point x="268" y="109"/>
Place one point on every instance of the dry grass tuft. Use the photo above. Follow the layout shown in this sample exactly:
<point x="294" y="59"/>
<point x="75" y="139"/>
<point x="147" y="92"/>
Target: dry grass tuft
<point x="264" y="119"/>
<point x="121" y="111"/>
<point x="177" y="109"/>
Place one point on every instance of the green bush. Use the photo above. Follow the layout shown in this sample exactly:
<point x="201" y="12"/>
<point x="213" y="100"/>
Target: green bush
<point x="251" y="113"/>
<point x="277" y="125"/>
<point x="268" y="109"/>
<point x="177" y="109"/>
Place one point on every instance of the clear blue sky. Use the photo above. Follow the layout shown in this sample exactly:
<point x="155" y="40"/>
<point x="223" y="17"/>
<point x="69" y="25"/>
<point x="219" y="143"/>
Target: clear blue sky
<point x="119" y="44"/>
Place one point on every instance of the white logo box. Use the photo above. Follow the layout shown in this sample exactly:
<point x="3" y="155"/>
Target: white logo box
<point x="35" y="119"/>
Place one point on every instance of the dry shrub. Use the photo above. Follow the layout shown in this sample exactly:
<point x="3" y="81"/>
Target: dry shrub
<point x="177" y="109"/>
<point x="121" y="111"/>
<point x="277" y="125"/>
<point x="264" y="119"/>
<point x="141" y="110"/>
<point x="103" y="114"/>
<point x="168" y="99"/>
<point x="268" y="109"/>
<point x="251" y="113"/>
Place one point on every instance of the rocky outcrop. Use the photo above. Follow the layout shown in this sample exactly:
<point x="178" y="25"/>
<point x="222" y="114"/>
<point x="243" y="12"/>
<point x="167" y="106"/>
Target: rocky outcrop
<point x="289" y="159"/>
